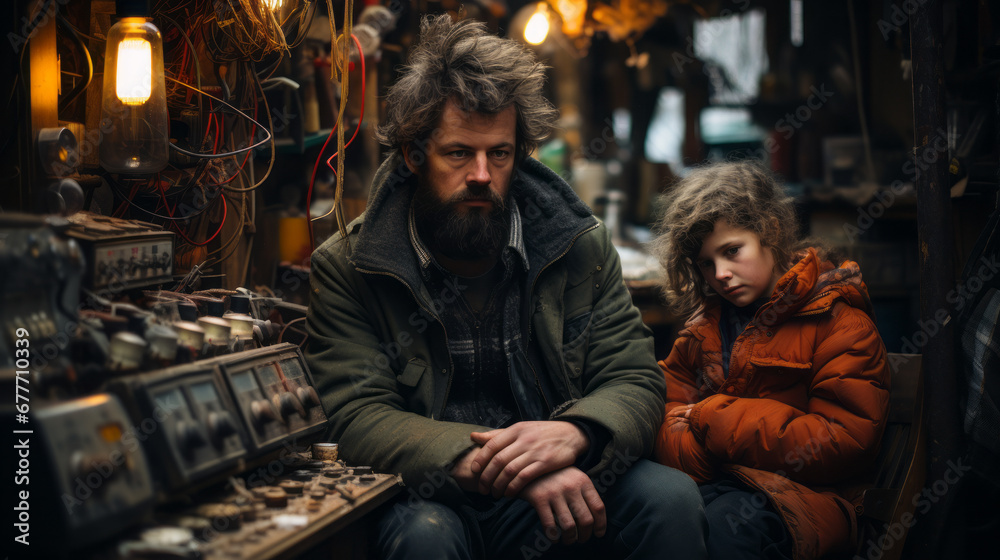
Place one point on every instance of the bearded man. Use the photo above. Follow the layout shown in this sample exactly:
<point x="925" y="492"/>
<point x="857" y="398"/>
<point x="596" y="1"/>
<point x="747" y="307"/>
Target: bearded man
<point x="473" y="332"/>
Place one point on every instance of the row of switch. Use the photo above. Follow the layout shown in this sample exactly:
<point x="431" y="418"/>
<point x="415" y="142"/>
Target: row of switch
<point x="262" y="411"/>
<point x="132" y="268"/>
<point x="189" y="437"/>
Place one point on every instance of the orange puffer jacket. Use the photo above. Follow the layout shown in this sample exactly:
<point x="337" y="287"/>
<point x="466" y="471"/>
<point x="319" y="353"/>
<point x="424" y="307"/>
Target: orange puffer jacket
<point x="802" y="410"/>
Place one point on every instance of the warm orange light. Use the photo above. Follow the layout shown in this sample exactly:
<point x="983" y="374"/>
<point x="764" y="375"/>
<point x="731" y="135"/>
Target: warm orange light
<point x="574" y="13"/>
<point x="134" y="119"/>
<point x="134" y="79"/>
<point x="273" y="5"/>
<point x="111" y="432"/>
<point x="537" y="27"/>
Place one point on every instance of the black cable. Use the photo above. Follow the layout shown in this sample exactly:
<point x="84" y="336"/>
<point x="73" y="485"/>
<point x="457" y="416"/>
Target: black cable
<point x="215" y="51"/>
<point x="268" y="70"/>
<point x="234" y="246"/>
<point x="270" y="126"/>
<point x="37" y="20"/>
<point x="13" y="89"/>
<point x="85" y="35"/>
<point x="18" y="84"/>
<point x="302" y="25"/>
<point x="125" y="197"/>
<point x="194" y="55"/>
<point x="79" y="88"/>
<point x="244" y="115"/>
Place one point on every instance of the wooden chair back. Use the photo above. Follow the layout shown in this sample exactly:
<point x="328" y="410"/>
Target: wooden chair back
<point x="887" y="510"/>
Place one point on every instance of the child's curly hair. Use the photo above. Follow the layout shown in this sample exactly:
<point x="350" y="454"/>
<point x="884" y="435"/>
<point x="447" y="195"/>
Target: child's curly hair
<point x="742" y="193"/>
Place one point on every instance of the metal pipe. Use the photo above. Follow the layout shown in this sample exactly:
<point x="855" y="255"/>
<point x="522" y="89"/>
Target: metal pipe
<point x="941" y="414"/>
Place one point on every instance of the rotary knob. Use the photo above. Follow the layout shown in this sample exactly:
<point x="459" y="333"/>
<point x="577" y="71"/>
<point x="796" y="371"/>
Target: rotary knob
<point x="189" y="437"/>
<point x="220" y="426"/>
<point x="85" y="465"/>
<point x="289" y="404"/>
<point x="276" y="498"/>
<point x="308" y="396"/>
<point x="261" y="413"/>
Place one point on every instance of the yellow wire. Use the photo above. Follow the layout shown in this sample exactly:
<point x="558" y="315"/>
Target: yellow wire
<point x="340" y="55"/>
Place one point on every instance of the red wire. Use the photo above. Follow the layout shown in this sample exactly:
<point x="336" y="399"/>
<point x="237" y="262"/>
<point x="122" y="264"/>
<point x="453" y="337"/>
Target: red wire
<point x="211" y="116"/>
<point x="121" y="208"/>
<point x="245" y="158"/>
<point x="163" y="196"/>
<point x="218" y="132"/>
<point x="163" y="199"/>
<point x="362" y="57"/>
<point x="183" y="66"/>
<point x="312" y="180"/>
<point x="225" y="208"/>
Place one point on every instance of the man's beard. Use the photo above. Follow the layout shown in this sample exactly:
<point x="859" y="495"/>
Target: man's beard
<point x="471" y="235"/>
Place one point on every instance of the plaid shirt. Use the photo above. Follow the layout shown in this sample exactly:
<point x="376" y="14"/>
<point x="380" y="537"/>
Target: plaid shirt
<point x="480" y="343"/>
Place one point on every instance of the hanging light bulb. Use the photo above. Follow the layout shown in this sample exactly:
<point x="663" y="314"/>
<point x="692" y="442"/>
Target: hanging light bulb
<point x="134" y="118"/>
<point x="135" y="71"/>
<point x="537" y="27"/>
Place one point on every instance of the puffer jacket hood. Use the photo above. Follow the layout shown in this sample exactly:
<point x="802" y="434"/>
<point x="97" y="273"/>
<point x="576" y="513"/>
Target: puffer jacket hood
<point x="817" y="284"/>
<point x="811" y="286"/>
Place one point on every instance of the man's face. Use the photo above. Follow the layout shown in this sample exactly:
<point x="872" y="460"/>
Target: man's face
<point x="463" y="182"/>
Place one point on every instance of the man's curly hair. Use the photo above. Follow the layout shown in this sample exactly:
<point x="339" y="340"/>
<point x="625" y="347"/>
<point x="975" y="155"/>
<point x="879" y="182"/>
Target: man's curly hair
<point x="742" y="193"/>
<point x="480" y="72"/>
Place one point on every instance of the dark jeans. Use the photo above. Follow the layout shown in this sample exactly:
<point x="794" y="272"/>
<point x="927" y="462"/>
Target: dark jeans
<point x="653" y="511"/>
<point x="742" y="523"/>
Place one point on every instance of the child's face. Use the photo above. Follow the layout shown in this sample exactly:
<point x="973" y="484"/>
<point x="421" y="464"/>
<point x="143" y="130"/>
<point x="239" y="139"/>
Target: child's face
<point x="735" y="264"/>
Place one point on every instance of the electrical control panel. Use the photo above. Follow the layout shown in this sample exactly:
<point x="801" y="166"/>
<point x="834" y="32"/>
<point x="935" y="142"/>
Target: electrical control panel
<point x="210" y="416"/>
<point x="123" y="254"/>
<point x="275" y="395"/>
<point x="192" y="428"/>
<point x="93" y="475"/>
<point x="134" y="260"/>
<point x="41" y="284"/>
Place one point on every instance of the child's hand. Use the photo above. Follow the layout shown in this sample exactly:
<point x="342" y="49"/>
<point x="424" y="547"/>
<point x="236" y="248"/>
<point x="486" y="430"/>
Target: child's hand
<point x="680" y="412"/>
<point x="678" y="418"/>
<point x="677" y="446"/>
<point x="677" y="423"/>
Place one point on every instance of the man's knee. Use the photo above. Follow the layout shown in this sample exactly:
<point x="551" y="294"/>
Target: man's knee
<point x="658" y="508"/>
<point x="423" y="530"/>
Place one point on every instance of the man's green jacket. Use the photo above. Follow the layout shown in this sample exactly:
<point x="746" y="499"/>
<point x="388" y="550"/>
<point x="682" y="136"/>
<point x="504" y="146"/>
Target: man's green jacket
<point x="379" y="354"/>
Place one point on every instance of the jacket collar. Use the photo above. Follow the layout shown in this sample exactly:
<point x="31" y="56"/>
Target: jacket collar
<point x="552" y="217"/>
<point x="811" y="287"/>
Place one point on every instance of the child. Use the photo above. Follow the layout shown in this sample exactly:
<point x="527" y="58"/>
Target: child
<point x="777" y="389"/>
